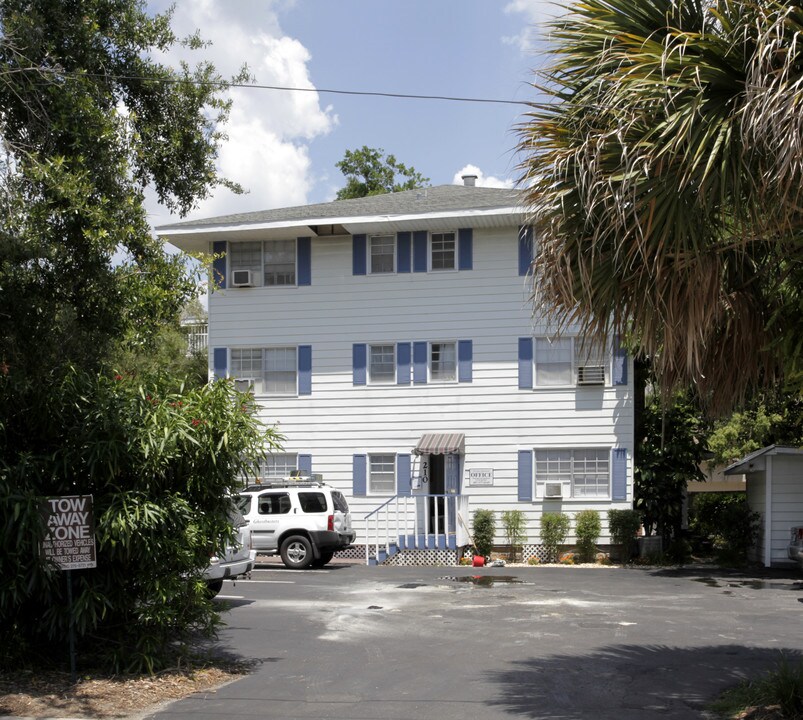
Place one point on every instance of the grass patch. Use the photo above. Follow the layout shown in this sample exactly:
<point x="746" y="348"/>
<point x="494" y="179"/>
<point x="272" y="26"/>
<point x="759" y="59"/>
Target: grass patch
<point x="779" y="694"/>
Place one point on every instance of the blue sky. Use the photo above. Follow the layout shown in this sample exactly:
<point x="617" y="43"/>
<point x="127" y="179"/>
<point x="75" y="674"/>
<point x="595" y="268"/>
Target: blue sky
<point x="283" y="146"/>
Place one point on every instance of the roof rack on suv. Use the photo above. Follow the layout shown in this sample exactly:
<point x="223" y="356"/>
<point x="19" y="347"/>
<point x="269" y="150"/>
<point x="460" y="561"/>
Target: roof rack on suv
<point x="314" y="480"/>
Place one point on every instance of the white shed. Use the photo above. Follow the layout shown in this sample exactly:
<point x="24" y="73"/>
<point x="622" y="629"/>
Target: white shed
<point x="774" y="491"/>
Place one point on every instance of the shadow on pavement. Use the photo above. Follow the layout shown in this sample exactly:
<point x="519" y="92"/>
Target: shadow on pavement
<point x="629" y="681"/>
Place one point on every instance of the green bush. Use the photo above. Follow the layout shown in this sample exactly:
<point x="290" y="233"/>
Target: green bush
<point x="623" y="526"/>
<point x="484" y="529"/>
<point x="515" y="524"/>
<point x="725" y="519"/>
<point x="554" y="528"/>
<point x="587" y="530"/>
<point x="159" y="466"/>
<point x="781" y="687"/>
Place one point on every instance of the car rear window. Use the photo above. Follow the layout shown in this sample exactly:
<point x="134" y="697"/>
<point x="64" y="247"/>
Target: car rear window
<point x="340" y="502"/>
<point x="312" y="502"/>
<point x="274" y="504"/>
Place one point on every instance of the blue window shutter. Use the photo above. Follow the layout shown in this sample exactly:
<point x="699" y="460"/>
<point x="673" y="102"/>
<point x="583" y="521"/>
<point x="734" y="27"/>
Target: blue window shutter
<point x="358" y="254"/>
<point x="358" y="475"/>
<point x="525" y="363"/>
<point x="403" y="475"/>
<point x="304" y="258"/>
<point x="305" y="464"/>
<point x="619" y="362"/>
<point x="420" y="251"/>
<point x="465" y="249"/>
<point x="525" y="249"/>
<point x="359" y="354"/>
<point x="404" y="249"/>
<point x="403" y="360"/>
<point x="419" y="363"/>
<point x="305" y="369"/>
<point x="619" y="473"/>
<point x="219" y="264"/>
<point x="220" y="357"/>
<point x="525" y="474"/>
<point x="465" y="357"/>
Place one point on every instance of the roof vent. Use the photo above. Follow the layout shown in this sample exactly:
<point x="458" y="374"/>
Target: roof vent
<point x="469" y="180"/>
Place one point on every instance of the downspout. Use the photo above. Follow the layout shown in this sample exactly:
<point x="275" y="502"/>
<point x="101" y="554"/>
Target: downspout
<point x="768" y="514"/>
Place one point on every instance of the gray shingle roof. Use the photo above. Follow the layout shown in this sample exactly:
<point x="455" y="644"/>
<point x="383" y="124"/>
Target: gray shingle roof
<point x="442" y="198"/>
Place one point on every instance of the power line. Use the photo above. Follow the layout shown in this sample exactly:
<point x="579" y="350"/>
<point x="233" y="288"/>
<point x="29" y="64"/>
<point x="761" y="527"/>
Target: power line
<point x="253" y="86"/>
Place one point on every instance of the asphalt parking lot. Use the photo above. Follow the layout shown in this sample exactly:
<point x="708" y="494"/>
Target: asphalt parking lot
<point x="390" y="643"/>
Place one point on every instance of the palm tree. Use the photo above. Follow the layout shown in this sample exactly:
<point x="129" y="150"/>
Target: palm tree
<point x="664" y="172"/>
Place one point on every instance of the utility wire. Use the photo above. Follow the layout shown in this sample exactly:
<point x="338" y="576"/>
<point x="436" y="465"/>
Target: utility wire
<point x="331" y="91"/>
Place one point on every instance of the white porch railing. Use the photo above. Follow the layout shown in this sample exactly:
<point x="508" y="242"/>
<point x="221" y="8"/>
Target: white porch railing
<point x="417" y="522"/>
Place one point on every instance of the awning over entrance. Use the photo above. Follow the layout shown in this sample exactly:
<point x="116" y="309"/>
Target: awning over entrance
<point x="441" y="444"/>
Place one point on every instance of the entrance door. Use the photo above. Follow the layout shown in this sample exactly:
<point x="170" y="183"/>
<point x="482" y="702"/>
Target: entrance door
<point x="437" y="486"/>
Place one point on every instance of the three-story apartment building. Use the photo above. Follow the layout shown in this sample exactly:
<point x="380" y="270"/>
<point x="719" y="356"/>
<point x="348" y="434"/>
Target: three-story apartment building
<point x="394" y="342"/>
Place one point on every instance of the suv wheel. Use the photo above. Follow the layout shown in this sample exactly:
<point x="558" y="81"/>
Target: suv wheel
<point x="296" y="552"/>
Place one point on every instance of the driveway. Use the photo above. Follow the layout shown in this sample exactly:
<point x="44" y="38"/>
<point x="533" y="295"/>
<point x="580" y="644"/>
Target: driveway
<point x="448" y="643"/>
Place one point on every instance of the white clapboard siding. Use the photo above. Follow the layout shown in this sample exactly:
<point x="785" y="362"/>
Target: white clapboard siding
<point x="489" y="305"/>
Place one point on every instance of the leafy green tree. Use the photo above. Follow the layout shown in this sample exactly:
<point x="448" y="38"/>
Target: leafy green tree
<point x="369" y="171"/>
<point x="668" y="456"/>
<point x="88" y="120"/>
<point x="662" y="170"/>
<point x="515" y="524"/>
<point x="769" y="418"/>
<point x="484" y="525"/>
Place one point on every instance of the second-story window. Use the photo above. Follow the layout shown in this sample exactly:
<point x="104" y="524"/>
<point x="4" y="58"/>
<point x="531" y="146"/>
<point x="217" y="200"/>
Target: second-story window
<point x="280" y="262"/>
<point x="442" y="362"/>
<point x="381" y="364"/>
<point x="443" y="251"/>
<point x="280" y="371"/>
<point x="246" y="369"/>
<point x="383" y="253"/>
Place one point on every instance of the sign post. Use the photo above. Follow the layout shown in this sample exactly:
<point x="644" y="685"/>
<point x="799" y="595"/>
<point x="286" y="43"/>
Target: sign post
<point x="69" y="543"/>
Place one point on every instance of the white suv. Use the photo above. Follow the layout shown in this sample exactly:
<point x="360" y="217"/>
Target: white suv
<point x="300" y="518"/>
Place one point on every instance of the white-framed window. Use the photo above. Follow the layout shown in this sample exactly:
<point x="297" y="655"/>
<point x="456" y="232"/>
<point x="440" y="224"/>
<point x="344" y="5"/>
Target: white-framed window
<point x="382" y="364"/>
<point x="382" y="251"/>
<point x="246" y="369"/>
<point x="585" y="472"/>
<point x="270" y="371"/>
<point x="281" y="371"/>
<point x="382" y="474"/>
<point x="568" y="361"/>
<point x="443" y="362"/>
<point x="279" y="465"/>
<point x="269" y="262"/>
<point x="443" y="248"/>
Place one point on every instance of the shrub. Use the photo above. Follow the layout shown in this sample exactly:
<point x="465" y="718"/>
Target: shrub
<point x="160" y="466"/>
<point x="727" y="521"/>
<point x="587" y="529"/>
<point x="623" y="526"/>
<point x="514" y="524"/>
<point x="782" y="687"/>
<point x="484" y="525"/>
<point x="554" y="528"/>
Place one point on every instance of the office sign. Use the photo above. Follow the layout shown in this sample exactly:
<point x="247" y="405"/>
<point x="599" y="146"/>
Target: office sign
<point x="479" y="478"/>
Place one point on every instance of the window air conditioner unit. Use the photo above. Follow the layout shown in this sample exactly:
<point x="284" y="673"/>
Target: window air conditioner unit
<point x="242" y="278"/>
<point x="244" y="385"/>
<point x="553" y="490"/>
<point x="591" y="375"/>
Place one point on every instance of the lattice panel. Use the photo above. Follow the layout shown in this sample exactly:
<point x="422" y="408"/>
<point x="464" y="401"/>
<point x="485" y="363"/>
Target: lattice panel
<point x="413" y="558"/>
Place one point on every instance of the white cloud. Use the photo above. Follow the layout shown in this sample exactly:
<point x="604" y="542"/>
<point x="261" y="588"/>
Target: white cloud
<point x="482" y="180"/>
<point x="268" y="130"/>
<point x="536" y="13"/>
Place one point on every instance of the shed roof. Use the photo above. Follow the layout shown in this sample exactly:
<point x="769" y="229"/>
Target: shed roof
<point x="747" y="464"/>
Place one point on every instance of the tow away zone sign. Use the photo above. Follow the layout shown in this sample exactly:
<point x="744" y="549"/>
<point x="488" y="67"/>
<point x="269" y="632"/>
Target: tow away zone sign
<point x="70" y="540"/>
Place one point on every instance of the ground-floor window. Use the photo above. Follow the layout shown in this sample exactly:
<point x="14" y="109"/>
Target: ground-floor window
<point x="382" y="474"/>
<point x="586" y="471"/>
<point x="279" y="466"/>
